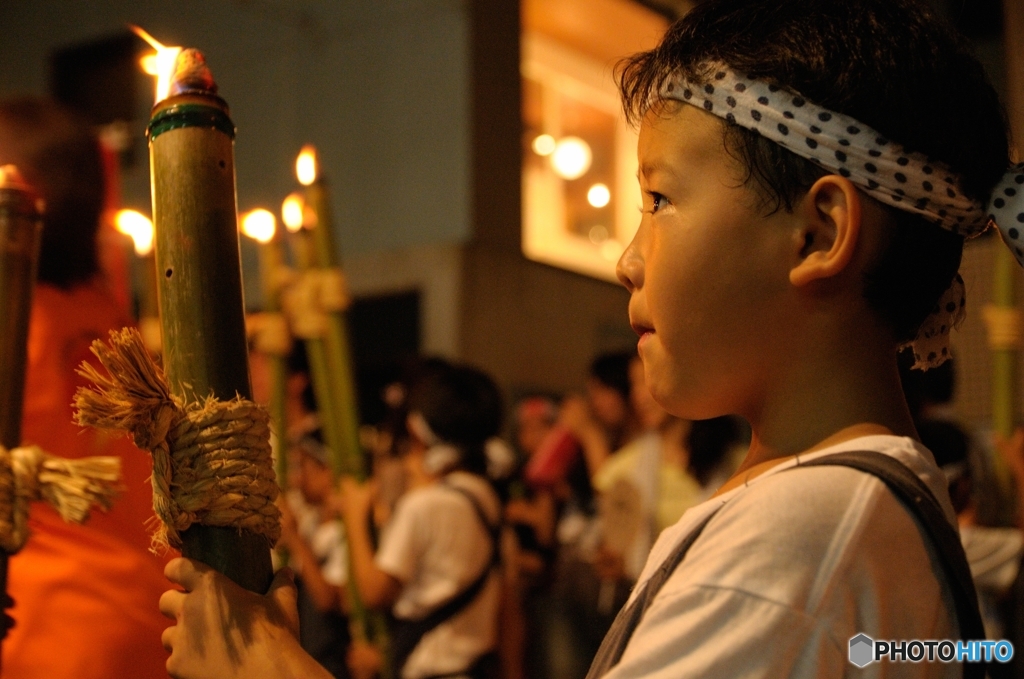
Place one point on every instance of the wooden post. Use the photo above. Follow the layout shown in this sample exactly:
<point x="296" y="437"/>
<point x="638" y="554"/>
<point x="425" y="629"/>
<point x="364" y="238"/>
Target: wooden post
<point x="20" y="227"/>
<point x="191" y="144"/>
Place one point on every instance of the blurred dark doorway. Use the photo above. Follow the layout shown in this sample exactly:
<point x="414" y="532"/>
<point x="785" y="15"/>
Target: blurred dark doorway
<point x="385" y="332"/>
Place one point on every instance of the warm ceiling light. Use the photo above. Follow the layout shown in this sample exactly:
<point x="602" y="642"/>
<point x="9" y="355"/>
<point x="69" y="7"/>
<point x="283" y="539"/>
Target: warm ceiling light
<point x="571" y="158"/>
<point x="599" y="195"/>
<point x="159" y="64"/>
<point x="544" y="145"/>
<point x="259" y="224"/>
<point x="137" y="226"/>
<point x="291" y="212"/>
<point x="307" y="166"/>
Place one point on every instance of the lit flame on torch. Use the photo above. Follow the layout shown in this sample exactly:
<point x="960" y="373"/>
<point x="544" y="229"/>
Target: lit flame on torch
<point x="292" y="212"/>
<point x="259" y="224"/>
<point x="139" y="227"/>
<point x="307" y="166"/>
<point x="160" y="64"/>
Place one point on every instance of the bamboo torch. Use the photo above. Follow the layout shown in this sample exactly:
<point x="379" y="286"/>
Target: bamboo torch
<point x="20" y="227"/>
<point x="191" y="150"/>
<point x="309" y="321"/>
<point x="348" y="457"/>
<point x="272" y="337"/>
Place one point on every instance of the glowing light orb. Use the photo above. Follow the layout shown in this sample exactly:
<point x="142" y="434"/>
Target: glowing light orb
<point x="307" y="167"/>
<point x="159" y="64"/>
<point x="599" y="195"/>
<point x="571" y="158"/>
<point x="292" y="211"/>
<point x="259" y="224"/>
<point x="138" y="227"/>
<point x="544" y="145"/>
<point x="611" y="250"/>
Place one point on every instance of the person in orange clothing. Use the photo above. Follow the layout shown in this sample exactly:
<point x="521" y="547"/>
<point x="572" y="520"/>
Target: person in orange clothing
<point x="85" y="596"/>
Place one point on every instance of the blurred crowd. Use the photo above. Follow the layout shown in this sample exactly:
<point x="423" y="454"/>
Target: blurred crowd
<point x="498" y="532"/>
<point x="560" y="512"/>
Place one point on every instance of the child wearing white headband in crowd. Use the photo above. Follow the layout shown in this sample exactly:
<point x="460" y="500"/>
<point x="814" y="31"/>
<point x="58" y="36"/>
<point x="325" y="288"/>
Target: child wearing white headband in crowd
<point x="809" y="171"/>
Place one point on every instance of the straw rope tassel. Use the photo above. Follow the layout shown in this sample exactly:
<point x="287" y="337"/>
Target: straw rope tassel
<point x="211" y="459"/>
<point x="72" y="487"/>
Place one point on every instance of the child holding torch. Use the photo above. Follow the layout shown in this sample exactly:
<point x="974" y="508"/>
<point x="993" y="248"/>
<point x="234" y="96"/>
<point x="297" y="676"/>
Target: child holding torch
<point x="810" y="171"/>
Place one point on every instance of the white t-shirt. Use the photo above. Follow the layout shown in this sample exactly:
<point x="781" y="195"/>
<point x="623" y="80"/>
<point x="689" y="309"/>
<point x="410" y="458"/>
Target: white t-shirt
<point x="326" y="539"/>
<point x="791" y="567"/>
<point x="436" y="545"/>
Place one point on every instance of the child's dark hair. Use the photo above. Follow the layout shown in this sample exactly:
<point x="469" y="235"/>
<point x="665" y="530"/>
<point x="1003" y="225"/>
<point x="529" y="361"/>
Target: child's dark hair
<point x="462" y="405"/>
<point x="891" y="64"/>
<point x="708" y="443"/>
<point x="60" y="156"/>
<point x="612" y="370"/>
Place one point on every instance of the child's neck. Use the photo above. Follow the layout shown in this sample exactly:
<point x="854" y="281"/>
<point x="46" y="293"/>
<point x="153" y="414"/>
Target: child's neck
<point x="827" y="398"/>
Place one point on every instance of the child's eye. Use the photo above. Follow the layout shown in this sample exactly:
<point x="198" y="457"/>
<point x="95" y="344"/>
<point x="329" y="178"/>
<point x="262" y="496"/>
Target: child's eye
<point x="657" y="201"/>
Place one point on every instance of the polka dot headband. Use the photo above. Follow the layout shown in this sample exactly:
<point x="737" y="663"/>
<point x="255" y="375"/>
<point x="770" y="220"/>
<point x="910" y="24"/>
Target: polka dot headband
<point x="879" y="166"/>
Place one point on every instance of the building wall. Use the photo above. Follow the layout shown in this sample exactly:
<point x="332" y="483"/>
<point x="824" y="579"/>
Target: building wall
<point x="380" y="86"/>
<point x="531" y="325"/>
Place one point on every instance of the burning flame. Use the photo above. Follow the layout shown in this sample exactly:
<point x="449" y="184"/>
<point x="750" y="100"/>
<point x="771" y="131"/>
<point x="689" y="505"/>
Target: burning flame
<point x="292" y="211"/>
<point x="159" y="64"/>
<point x="259" y="224"/>
<point x="138" y="226"/>
<point x="307" y="166"/>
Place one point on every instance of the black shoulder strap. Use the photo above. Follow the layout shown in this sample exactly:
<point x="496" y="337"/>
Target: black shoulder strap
<point x="408" y="633"/>
<point x="628" y="618"/>
<point x="914" y="494"/>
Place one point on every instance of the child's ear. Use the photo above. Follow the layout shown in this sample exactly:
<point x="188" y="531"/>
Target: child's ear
<point x="829" y="231"/>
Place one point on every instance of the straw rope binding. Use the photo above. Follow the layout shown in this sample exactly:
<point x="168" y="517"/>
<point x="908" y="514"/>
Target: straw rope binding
<point x="72" y="487"/>
<point x="311" y="297"/>
<point x="211" y="459"/>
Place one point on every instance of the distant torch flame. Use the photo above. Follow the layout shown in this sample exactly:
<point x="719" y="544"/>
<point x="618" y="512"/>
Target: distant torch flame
<point x="307" y="166"/>
<point x="259" y="224"/>
<point x="138" y="227"/>
<point x="292" y="210"/>
<point x="160" y="64"/>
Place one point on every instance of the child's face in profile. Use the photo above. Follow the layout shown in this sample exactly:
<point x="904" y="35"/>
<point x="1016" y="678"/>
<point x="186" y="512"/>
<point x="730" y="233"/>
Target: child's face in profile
<point x="708" y="268"/>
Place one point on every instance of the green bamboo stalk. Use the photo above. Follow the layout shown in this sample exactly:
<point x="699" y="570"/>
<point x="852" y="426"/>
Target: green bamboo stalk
<point x="316" y="354"/>
<point x="20" y="227"/>
<point x="349" y="456"/>
<point x="191" y="142"/>
<point x="271" y="264"/>
<point x="320" y="373"/>
<point x="349" y="459"/>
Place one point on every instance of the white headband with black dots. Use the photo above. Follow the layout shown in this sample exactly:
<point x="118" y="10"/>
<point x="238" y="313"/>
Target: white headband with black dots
<point x="879" y="166"/>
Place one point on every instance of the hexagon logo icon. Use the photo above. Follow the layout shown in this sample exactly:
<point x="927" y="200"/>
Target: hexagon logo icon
<point x="862" y="649"/>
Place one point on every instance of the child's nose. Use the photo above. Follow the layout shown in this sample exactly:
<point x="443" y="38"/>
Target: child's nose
<point x="630" y="268"/>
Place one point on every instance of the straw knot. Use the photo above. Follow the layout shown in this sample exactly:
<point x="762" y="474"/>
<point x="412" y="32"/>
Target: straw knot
<point x="72" y="487"/>
<point x="314" y="295"/>
<point x="211" y="459"/>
